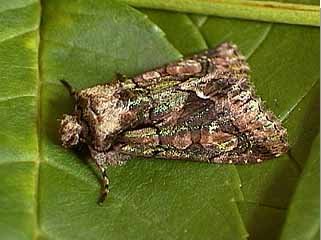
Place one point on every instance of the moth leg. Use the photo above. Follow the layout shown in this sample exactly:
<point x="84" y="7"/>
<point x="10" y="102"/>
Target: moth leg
<point x="105" y="184"/>
<point x="102" y="159"/>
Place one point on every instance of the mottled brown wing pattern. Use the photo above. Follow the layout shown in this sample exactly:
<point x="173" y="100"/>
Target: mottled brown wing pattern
<point x="201" y="108"/>
<point x="215" y="117"/>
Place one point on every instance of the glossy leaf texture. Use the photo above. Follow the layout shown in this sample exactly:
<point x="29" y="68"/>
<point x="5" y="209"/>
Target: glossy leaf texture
<point x="302" y="220"/>
<point x="47" y="192"/>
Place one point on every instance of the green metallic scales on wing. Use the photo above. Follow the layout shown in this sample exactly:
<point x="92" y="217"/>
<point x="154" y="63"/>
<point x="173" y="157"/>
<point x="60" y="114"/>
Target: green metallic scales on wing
<point x="197" y="114"/>
<point x="168" y="101"/>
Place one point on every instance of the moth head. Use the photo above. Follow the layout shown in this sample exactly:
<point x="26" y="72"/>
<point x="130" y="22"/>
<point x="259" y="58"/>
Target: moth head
<point x="101" y="112"/>
<point x="70" y="131"/>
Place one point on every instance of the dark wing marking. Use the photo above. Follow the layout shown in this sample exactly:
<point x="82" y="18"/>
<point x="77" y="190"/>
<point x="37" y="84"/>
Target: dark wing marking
<point x="219" y="118"/>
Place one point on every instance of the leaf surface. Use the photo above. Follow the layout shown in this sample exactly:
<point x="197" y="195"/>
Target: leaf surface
<point x="48" y="192"/>
<point x="302" y="220"/>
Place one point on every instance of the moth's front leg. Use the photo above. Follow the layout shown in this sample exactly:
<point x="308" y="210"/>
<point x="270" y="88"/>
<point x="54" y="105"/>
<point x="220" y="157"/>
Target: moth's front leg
<point x="102" y="160"/>
<point x="105" y="183"/>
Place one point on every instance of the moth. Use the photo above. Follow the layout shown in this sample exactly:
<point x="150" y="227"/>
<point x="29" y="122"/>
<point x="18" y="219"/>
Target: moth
<point x="201" y="108"/>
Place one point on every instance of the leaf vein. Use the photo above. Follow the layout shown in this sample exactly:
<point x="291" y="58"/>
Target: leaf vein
<point x="39" y="131"/>
<point x="19" y="7"/>
<point x="259" y="42"/>
<point x="284" y="117"/>
<point x="18" y="34"/>
<point x="10" y="98"/>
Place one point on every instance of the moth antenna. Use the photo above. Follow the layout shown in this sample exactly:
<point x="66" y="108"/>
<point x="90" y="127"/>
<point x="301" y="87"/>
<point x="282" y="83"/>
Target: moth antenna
<point x="68" y="87"/>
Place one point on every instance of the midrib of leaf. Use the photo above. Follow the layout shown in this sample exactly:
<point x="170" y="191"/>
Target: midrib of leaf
<point x="39" y="129"/>
<point x="244" y="9"/>
<point x="20" y="29"/>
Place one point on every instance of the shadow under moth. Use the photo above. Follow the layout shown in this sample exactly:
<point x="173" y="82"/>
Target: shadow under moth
<point x="202" y="108"/>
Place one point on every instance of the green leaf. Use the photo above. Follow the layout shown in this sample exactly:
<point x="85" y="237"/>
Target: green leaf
<point x="48" y="192"/>
<point x="290" y="87"/>
<point x="18" y="107"/>
<point x="269" y="11"/>
<point x="178" y="28"/>
<point x="302" y="220"/>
